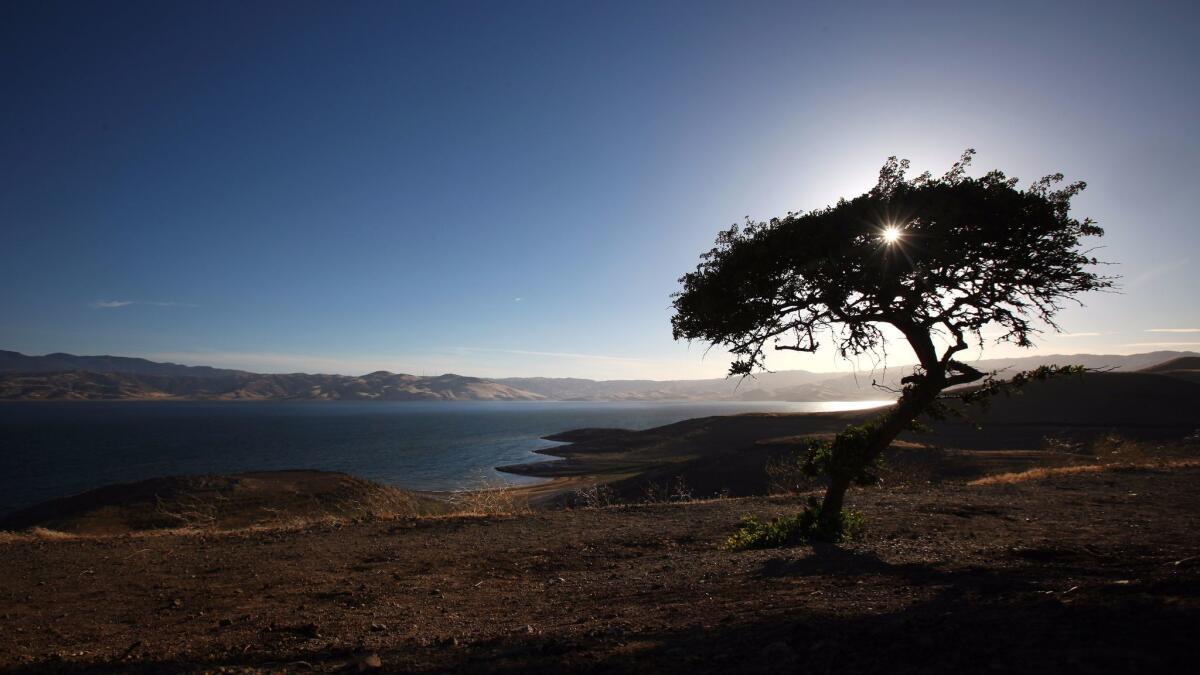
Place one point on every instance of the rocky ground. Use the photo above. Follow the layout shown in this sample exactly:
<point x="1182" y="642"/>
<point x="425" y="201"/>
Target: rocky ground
<point x="1083" y="572"/>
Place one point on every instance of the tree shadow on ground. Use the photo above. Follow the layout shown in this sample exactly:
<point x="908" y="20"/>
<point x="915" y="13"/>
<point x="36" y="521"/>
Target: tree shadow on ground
<point x="974" y="620"/>
<point x="829" y="560"/>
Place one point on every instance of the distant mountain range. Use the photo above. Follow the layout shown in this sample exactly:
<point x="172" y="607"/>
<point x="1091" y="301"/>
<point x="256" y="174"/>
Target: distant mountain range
<point x="70" y="377"/>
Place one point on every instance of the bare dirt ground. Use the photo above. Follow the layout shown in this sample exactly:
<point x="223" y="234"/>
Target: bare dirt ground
<point x="1083" y="572"/>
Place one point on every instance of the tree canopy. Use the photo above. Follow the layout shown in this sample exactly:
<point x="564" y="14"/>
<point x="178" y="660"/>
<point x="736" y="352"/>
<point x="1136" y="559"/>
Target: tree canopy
<point x="930" y="256"/>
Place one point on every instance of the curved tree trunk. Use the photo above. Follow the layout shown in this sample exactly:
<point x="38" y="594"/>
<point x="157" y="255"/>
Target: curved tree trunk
<point x="923" y="391"/>
<point x="835" y="497"/>
<point x="908" y="408"/>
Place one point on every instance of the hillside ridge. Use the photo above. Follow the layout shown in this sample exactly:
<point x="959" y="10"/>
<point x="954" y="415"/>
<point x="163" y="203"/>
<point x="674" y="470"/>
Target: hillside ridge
<point x="110" y="378"/>
<point x="62" y="376"/>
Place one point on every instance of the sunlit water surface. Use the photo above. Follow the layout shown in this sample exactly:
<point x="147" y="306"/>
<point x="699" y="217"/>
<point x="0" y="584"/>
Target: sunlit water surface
<point x="51" y="449"/>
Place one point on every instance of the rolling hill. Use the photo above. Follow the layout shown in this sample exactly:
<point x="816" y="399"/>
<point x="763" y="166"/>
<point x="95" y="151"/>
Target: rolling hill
<point x="106" y="377"/>
<point x="800" y="385"/>
<point x="1184" y="368"/>
<point x="70" y="377"/>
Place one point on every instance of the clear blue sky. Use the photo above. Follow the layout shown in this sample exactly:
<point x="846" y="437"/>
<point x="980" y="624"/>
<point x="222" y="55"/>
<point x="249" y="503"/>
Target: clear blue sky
<point x="507" y="188"/>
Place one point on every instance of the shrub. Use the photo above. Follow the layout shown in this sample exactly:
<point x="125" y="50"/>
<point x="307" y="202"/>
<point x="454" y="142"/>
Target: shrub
<point x="657" y="493"/>
<point x="594" y="497"/>
<point x="488" y="497"/>
<point x="790" y="530"/>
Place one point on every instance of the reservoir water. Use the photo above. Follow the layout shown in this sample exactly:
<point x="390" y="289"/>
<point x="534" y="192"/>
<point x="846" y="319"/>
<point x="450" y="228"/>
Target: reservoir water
<point x="51" y="449"/>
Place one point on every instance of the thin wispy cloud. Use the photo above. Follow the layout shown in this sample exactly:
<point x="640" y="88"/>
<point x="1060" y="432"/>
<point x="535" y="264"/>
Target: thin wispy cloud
<point x="1173" y="330"/>
<point x="1156" y="272"/>
<point x="564" y="355"/>
<point x="1163" y="344"/>
<point x="116" y="304"/>
<point x="1077" y="335"/>
<point x="276" y="362"/>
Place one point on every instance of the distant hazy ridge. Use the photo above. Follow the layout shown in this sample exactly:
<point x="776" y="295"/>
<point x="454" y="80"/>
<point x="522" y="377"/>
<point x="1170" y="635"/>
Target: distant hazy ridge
<point x="69" y="377"/>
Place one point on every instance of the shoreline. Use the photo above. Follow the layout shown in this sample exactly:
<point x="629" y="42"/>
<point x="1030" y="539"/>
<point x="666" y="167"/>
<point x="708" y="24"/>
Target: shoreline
<point x="581" y="457"/>
<point x="726" y="454"/>
<point x="438" y="454"/>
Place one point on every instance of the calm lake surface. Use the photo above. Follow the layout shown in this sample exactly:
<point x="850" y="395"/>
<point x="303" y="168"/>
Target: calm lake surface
<point x="51" y="449"/>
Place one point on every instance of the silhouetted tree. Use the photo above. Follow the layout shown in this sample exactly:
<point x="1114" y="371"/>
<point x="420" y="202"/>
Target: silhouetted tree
<point x="936" y="258"/>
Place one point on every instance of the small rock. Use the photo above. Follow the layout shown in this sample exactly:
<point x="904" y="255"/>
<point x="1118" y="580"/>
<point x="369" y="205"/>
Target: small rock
<point x="225" y="622"/>
<point x="378" y="627"/>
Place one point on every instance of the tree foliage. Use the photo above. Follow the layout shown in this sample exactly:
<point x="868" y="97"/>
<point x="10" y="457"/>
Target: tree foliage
<point x="970" y="252"/>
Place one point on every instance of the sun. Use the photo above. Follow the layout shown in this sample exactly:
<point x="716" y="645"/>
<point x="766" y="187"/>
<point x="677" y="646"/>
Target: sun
<point x="891" y="234"/>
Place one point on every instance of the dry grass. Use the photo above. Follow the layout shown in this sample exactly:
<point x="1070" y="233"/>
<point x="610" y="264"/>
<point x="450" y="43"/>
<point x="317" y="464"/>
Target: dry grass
<point x="1111" y="452"/>
<point x="488" y="497"/>
<point x="383" y="503"/>
<point x="190" y="511"/>
<point x="1051" y="472"/>
<point x="284" y="525"/>
<point x="596" y="496"/>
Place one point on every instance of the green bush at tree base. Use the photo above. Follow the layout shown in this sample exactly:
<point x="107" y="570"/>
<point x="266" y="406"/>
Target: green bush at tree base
<point x="794" y="529"/>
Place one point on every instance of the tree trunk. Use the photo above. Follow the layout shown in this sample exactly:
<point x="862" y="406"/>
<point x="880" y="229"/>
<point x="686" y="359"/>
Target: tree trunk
<point x="835" y="496"/>
<point x="907" y="409"/>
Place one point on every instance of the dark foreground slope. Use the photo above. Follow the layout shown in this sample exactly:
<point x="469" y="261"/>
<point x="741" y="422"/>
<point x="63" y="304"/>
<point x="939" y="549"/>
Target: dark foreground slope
<point x="263" y="498"/>
<point x="1096" y="572"/>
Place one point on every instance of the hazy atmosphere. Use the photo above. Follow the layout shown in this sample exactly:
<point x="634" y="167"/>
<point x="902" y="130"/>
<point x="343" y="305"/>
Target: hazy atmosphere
<point x="513" y="189"/>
